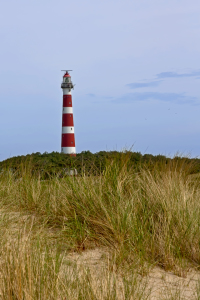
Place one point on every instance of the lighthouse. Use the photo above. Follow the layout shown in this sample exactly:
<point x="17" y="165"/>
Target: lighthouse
<point x="67" y="138"/>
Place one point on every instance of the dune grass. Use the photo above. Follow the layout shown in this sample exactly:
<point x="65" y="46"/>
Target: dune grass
<point x="146" y="218"/>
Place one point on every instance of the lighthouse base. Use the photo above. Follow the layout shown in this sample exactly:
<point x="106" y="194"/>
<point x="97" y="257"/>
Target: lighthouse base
<point x="69" y="150"/>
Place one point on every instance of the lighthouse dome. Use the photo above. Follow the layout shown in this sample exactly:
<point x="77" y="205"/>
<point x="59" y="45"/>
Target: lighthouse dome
<point x="66" y="75"/>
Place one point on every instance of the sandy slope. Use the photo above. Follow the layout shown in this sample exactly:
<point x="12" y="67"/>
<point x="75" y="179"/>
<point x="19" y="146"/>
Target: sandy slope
<point x="159" y="283"/>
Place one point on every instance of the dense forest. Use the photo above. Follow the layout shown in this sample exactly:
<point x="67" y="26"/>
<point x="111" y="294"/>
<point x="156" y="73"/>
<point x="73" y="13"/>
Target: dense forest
<point x="87" y="163"/>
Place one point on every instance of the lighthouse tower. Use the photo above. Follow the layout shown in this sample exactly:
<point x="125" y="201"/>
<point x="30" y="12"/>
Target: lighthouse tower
<point x="68" y="138"/>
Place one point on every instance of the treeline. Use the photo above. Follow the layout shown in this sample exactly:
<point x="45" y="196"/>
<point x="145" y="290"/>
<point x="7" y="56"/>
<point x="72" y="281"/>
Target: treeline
<point x="87" y="163"/>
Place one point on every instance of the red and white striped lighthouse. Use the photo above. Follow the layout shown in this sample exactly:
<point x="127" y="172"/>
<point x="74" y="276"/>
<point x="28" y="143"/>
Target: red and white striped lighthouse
<point x="68" y="138"/>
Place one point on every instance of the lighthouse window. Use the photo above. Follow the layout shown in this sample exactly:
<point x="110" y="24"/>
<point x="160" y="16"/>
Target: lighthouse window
<point x="69" y="102"/>
<point x="71" y="142"/>
<point x="71" y="128"/>
<point x="70" y="115"/>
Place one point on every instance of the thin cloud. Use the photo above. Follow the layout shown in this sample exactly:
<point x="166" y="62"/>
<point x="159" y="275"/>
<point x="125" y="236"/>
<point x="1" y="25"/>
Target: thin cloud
<point x="107" y="97"/>
<point x="179" y="98"/>
<point x="177" y="75"/>
<point x="163" y="75"/>
<point x="91" y="95"/>
<point x="136" y="85"/>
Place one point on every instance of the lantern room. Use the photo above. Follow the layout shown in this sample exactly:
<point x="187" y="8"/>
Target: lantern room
<point x="67" y="82"/>
<point x="67" y="78"/>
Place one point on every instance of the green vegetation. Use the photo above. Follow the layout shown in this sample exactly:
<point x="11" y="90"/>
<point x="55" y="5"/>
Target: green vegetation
<point x="87" y="163"/>
<point x="144" y="211"/>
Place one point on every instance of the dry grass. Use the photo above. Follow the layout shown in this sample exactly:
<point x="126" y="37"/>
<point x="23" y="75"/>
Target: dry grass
<point x="146" y="219"/>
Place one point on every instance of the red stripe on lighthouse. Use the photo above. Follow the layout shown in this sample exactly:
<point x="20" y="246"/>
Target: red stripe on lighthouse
<point x="67" y="120"/>
<point x="68" y="140"/>
<point x="67" y="101"/>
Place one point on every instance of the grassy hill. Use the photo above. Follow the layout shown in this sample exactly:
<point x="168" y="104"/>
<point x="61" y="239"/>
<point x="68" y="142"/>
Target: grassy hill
<point x="139" y="211"/>
<point x="48" y="164"/>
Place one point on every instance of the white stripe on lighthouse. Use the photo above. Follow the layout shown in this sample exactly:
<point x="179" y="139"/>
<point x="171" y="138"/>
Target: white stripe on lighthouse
<point x="67" y="129"/>
<point x="66" y="92"/>
<point x="67" y="110"/>
<point x="69" y="150"/>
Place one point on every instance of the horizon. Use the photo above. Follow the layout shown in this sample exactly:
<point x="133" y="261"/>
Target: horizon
<point x="179" y="155"/>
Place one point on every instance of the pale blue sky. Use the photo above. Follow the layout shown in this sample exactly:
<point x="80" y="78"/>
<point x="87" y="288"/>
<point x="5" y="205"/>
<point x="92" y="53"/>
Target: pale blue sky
<point x="136" y="66"/>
